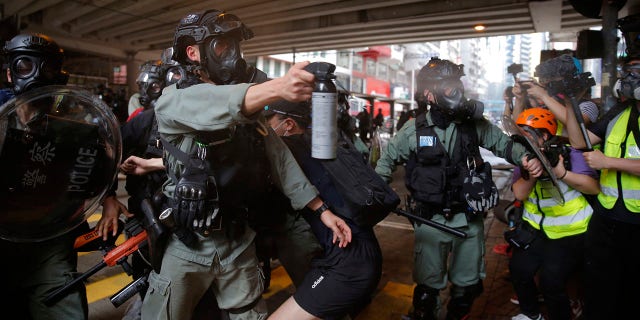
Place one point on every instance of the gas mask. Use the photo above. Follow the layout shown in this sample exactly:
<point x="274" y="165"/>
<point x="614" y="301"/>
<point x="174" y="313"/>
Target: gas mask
<point x="448" y="94"/>
<point x="223" y="60"/>
<point x="149" y="87"/>
<point x="629" y="83"/>
<point x="33" y="71"/>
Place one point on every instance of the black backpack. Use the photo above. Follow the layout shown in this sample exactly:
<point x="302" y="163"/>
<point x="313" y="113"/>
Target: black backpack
<point x="367" y="197"/>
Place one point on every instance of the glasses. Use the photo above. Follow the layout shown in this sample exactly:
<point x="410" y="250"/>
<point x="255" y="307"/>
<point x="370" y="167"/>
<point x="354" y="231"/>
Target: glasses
<point x="267" y="108"/>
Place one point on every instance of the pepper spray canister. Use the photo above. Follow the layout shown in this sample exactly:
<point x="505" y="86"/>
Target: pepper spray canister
<point x="324" y="111"/>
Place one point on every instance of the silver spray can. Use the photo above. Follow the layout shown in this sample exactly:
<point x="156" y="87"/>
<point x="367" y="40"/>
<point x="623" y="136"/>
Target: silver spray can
<point x="324" y="111"/>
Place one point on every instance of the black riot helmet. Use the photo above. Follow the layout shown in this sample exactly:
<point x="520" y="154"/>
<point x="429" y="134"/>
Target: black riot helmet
<point x="218" y="35"/>
<point x="151" y="81"/>
<point x="34" y="60"/>
<point x="442" y="79"/>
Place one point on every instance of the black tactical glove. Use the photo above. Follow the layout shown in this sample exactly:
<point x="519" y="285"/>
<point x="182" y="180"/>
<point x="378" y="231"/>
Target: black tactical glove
<point x="196" y="198"/>
<point x="479" y="190"/>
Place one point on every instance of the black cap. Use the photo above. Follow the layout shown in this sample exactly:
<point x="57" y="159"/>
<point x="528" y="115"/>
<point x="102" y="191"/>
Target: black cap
<point x="299" y="111"/>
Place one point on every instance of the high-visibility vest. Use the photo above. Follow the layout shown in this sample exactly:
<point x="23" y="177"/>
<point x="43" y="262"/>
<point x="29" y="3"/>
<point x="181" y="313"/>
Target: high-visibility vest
<point x="557" y="220"/>
<point x="629" y="183"/>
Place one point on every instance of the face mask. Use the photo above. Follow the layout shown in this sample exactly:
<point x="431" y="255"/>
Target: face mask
<point x="286" y="131"/>
<point x="224" y="62"/>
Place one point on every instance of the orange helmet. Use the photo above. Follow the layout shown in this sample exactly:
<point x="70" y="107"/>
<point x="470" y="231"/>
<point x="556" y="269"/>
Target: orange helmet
<point x="538" y="118"/>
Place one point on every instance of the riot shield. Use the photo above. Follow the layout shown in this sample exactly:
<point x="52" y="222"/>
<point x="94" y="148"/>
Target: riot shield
<point x="60" y="148"/>
<point x="549" y="180"/>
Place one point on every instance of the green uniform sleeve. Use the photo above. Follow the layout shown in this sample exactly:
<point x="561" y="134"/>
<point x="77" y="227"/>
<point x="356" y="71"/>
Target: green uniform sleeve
<point x="287" y="174"/>
<point x="493" y="139"/>
<point x="397" y="151"/>
<point x="201" y="107"/>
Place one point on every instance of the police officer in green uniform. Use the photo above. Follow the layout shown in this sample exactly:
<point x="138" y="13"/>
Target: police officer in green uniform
<point x="612" y="255"/>
<point x="218" y="132"/>
<point x="32" y="270"/>
<point x="440" y="149"/>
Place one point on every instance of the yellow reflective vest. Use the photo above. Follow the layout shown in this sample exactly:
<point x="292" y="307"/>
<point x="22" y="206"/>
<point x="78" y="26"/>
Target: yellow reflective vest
<point x="556" y="220"/>
<point x="613" y="147"/>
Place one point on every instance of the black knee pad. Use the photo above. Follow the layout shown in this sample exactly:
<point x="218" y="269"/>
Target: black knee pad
<point x="461" y="300"/>
<point x="425" y="302"/>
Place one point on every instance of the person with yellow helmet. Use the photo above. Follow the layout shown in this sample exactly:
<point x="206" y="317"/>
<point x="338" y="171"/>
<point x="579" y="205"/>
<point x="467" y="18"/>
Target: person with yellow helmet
<point x="556" y="231"/>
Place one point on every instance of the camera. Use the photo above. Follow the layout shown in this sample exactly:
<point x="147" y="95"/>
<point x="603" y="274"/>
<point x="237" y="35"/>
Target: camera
<point x="523" y="78"/>
<point x="571" y="85"/>
<point x="514" y="69"/>
<point x="553" y="149"/>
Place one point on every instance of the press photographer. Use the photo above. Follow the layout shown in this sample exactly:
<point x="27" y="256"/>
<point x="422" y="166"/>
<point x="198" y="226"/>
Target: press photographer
<point x="562" y="81"/>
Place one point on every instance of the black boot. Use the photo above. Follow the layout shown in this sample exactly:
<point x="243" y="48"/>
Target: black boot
<point x="425" y="303"/>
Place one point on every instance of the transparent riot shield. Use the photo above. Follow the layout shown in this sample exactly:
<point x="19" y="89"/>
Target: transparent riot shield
<point x="60" y="148"/>
<point x="549" y="180"/>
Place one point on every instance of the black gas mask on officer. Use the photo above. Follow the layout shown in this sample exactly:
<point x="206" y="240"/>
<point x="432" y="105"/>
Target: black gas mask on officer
<point x="34" y="60"/>
<point x="150" y="83"/>
<point x="442" y="79"/>
<point x="218" y="35"/>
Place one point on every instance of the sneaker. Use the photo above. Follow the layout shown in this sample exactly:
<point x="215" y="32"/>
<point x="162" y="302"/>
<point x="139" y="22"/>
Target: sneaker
<point x="523" y="316"/>
<point x="577" y="306"/>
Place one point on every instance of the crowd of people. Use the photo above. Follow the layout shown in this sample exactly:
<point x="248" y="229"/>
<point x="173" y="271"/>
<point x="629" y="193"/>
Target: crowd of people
<point x="223" y="155"/>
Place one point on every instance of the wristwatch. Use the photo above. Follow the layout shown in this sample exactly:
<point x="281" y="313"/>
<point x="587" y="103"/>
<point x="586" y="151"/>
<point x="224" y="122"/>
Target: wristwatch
<point x="322" y="209"/>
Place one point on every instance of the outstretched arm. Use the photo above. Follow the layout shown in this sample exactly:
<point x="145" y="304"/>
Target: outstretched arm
<point x="139" y="166"/>
<point x="297" y="85"/>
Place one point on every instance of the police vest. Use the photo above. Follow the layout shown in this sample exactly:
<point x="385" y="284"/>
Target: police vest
<point x="432" y="175"/>
<point x="236" y="159"/>
<point x="556" y="220"/>
<point x="620" y="143"/>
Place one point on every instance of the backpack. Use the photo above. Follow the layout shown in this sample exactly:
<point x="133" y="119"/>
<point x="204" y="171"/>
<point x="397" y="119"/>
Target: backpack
<point x="369" y="198"/>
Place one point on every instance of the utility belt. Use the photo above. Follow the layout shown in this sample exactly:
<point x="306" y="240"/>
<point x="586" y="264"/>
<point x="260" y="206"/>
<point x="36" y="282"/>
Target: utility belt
<point x="429" y="210"/>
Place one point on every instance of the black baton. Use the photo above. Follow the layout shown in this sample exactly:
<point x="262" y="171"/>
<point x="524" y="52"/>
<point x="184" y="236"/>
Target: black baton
<point x="430" y="223"/>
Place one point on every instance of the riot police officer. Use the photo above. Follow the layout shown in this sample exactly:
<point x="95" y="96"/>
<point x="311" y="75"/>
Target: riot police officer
<point x="440" y="149"/>
<point x="219" y="155"/>
<point x="47" y="260"/>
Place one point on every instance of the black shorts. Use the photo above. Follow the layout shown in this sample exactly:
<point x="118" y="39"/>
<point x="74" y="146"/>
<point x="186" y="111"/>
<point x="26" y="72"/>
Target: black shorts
<point x="331" y="290"/>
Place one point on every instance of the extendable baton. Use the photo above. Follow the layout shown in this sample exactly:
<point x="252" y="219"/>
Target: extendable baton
<point x="430" y="223"/>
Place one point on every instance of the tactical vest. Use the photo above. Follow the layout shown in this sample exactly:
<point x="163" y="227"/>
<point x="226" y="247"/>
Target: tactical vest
<point x="433" y="176"/>
<point x="620" y="143"/>
<point x="236" y="158"/>
<point x="556" y="220"/>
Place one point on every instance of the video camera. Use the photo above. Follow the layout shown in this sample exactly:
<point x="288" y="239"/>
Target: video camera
<point x="571" y="85"/>
<point x="514" y="69"/>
